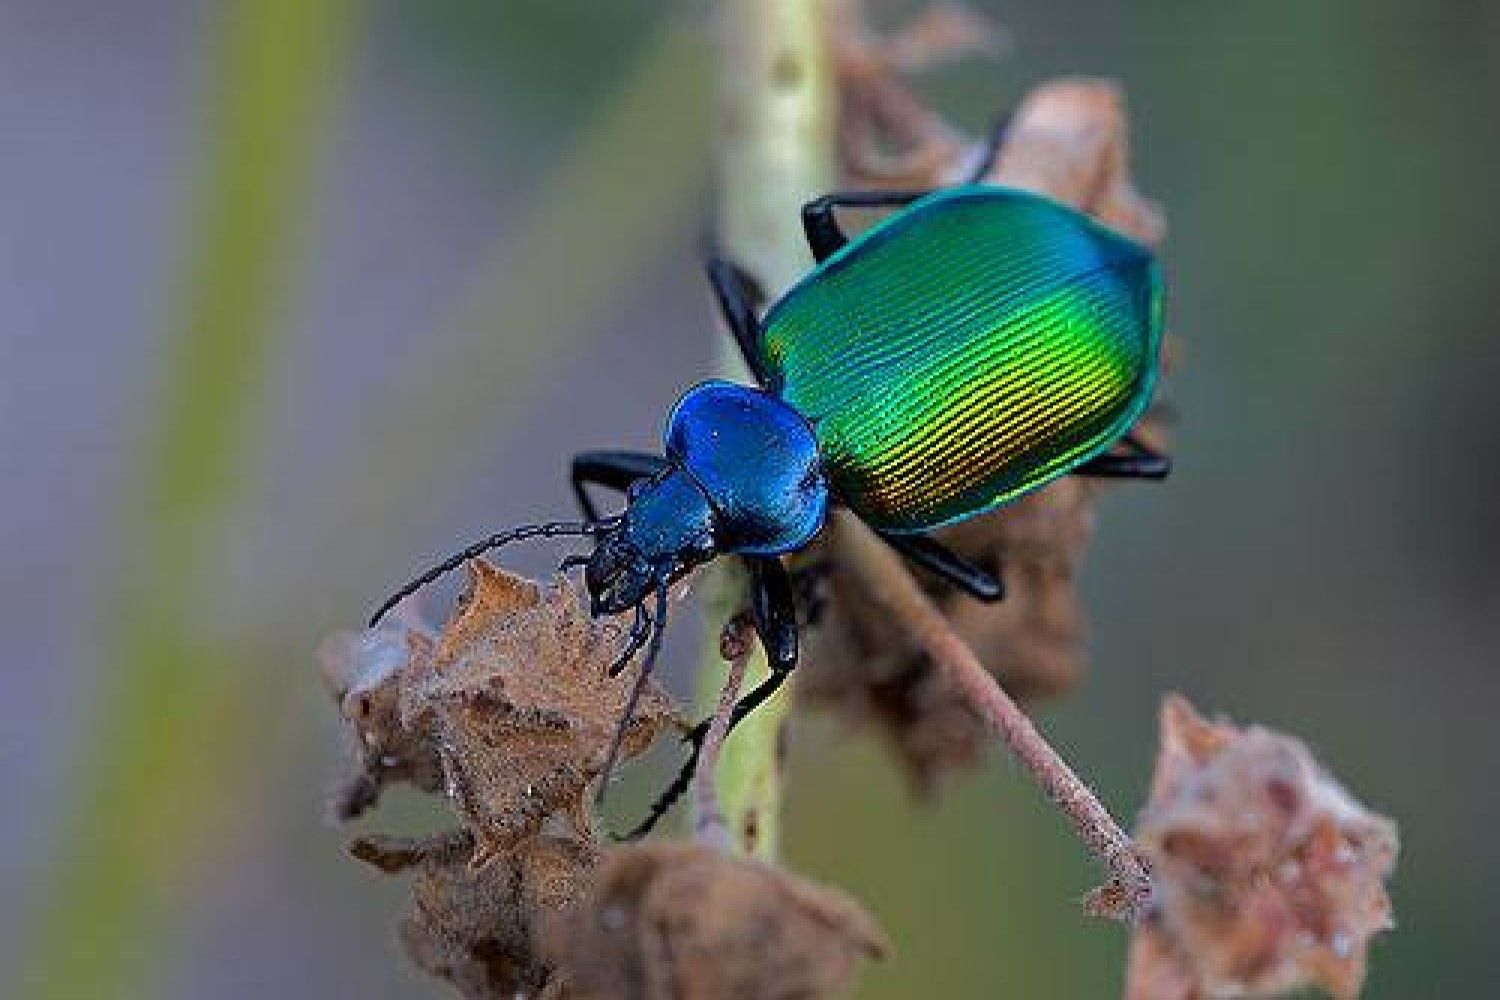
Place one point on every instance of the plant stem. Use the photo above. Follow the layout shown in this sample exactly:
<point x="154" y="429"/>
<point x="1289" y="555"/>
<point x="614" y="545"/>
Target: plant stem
<point x="881" y="572"/>
<point x="736" y="644"/>
<point x="775" y="143"/>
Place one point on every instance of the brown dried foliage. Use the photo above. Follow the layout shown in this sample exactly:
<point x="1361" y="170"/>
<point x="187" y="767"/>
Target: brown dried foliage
<point x="1269" y="876"/>
<point x="511" y="709"/>
<point x="1066" y="140"/>
<point x="365" y="671"/>
<point x="484" y="930"/>
<point x="516" y="695"/>
<point x="685" y="921"/>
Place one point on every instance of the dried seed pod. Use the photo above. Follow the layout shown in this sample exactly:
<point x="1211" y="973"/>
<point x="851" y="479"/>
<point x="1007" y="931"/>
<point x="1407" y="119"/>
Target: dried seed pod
<point x="365" y="672"/>
<point x="483" y="929"/>
<point x="1269" y="876"/>
<point x="1066" y="140"/>
<point x="517" y="696"/>
<point x="683" y="921"/>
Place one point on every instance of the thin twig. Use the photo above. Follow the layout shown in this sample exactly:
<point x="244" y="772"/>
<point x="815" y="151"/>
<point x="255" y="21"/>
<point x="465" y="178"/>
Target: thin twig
<point x="736" y="643"/>
<point x="878" y="569"/>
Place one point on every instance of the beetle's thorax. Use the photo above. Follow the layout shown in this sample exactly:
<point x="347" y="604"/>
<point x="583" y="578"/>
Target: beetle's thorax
<point x="666" y="530"/>
<point x="757" y="463"/>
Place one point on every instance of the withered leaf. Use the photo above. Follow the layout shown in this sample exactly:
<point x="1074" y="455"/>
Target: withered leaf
<point x="1269" y="876"/>
<point x="365" y="672"/>
<point x="484" y="929"/>
<point x="517" y="696"/>
<point x="684" y="922"/>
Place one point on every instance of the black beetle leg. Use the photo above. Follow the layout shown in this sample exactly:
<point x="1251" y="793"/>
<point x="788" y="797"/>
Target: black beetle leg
<point x="935" y="557"/>
<point x="776" y="625"/>
<point x="1141" y="462"/>
<point x="989" y="153"/>
<point x="740" y="297"/>
<point x="614" y="470"/>
<point x="824" y="236"/>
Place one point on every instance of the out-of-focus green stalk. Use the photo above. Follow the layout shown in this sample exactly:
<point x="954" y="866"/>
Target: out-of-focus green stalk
<point x="166" y="738"/>
<point x="775" y="149"/>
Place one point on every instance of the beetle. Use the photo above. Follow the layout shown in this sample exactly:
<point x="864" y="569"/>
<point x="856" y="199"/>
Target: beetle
<point x="968" y="349"/>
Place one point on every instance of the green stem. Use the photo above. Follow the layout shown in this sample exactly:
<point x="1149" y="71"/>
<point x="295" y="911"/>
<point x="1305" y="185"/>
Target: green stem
<point x="166" y="748"/>
<point x="775" y="150"/>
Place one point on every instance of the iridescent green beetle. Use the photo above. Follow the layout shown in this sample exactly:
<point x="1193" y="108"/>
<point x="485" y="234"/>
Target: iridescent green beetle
<point x="963" y="352"/>
<point x="966" y="352"/>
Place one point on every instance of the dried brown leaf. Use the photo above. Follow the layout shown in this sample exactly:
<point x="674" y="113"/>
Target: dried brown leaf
<point x="683" y="921"/>
<point x="1067" y="140"/>
<point x="1269" y="876"/>
<point x="517" y="695"/>
<point x="365" y="672"/>
<point x="483" y="929"/>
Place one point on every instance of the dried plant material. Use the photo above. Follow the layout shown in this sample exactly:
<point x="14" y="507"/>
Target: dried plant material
<point x="1067" y="140"/>
<point x="1270" y="876"/>
<point x="941" y="34"/>
<point x="365" y="672"/>
<point x="886" y="136"/>
<point x="484" y="929"/>
<point x="736" y="643"/>
<point x="517" y="694"/>
<point x="684" y="922"/>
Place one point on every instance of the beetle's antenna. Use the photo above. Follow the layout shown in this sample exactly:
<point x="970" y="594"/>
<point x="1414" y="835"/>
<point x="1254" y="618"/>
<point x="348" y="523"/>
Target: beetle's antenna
<point x="658" y="631"/>
<point x="571" y="563"/>
<point x="551" y="529"/>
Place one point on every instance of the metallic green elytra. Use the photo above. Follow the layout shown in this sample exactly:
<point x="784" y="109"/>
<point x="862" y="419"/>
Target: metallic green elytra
<point x="967" y="351"/>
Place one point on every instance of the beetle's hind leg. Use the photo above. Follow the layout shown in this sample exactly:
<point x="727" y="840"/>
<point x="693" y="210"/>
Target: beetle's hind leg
<point x="740" y="298"/>
<point x="1139" y="462"/>
<point x="989" y="153"/>
<point x="775" y="617"/>
<point x="935" y="557"/>
<point x="614" y="470"/>
<point x="824" y="235"/>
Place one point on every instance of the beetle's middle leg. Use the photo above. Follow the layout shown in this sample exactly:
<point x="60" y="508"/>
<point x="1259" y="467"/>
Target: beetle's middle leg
<point x="935" y="557"/>
<point x="775" y="615"/>
<point x="1139" y="462"/>
<point x="614" y="470"/>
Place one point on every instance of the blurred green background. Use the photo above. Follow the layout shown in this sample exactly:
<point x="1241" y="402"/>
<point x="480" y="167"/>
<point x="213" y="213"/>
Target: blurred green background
<point x="294" y="293"/>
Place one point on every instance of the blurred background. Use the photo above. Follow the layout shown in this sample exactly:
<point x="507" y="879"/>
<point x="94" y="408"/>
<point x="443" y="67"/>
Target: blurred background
<point x="295" y="294"/>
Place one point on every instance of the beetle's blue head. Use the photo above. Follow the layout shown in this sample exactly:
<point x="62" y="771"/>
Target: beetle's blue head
<point x="745" y="477"/>
<point x="667" y="529"/>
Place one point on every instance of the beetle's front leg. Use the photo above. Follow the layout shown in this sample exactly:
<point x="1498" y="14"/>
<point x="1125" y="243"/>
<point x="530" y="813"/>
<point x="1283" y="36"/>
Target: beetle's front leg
<point x="776" y="624"/>
<point x="614" y="470"/>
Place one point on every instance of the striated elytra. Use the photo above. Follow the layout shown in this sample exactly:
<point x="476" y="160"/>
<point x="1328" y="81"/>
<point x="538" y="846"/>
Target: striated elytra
<point x="965" y="352"/>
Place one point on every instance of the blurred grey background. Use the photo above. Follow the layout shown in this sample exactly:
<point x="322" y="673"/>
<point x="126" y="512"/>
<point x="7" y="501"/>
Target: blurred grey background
<point x="250" y="381"/>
